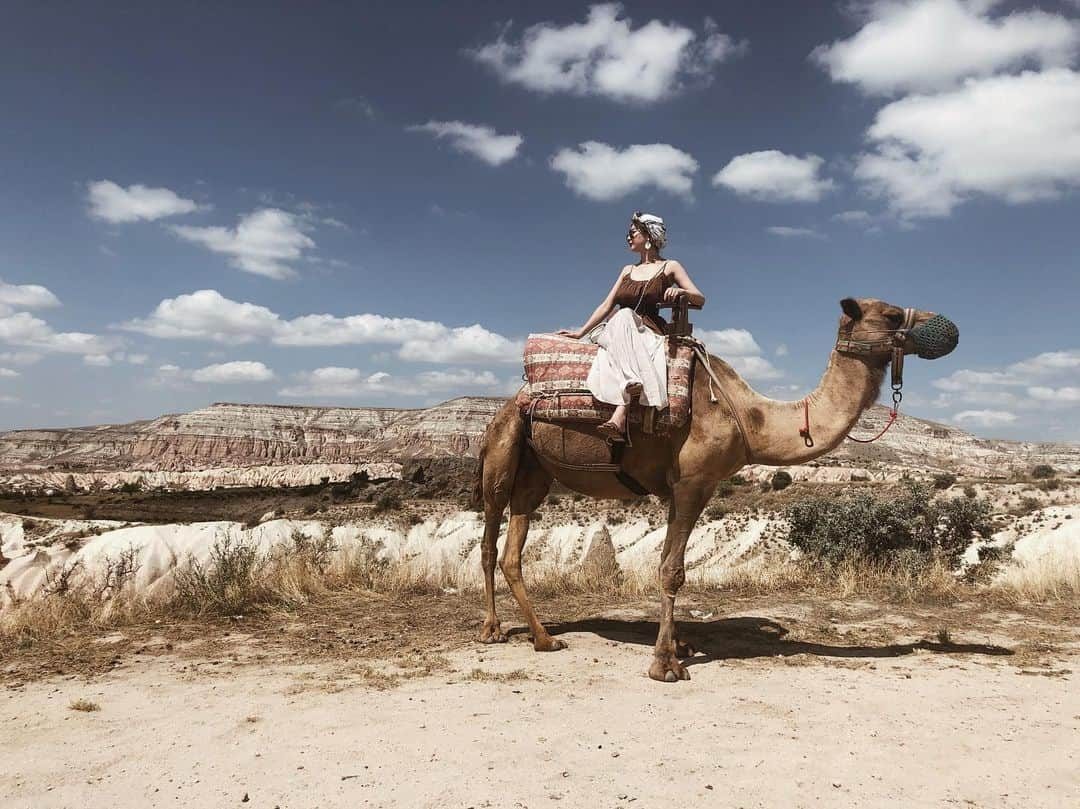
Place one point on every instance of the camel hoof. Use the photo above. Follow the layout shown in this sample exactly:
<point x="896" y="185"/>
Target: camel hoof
<point x="668" y="671"/>
<point x="549" y="645"/>
<point x="492" y="634"/>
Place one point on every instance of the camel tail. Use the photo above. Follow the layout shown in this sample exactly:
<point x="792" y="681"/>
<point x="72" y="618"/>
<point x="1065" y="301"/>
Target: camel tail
<point x="476" y="501"/>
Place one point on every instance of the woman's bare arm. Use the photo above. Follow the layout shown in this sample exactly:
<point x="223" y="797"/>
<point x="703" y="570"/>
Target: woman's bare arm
<point x="601" y="313"/>
<point x="686" y="287"/>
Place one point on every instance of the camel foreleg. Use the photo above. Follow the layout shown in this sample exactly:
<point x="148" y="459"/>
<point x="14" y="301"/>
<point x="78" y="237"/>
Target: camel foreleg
<point x="687" y="501"/>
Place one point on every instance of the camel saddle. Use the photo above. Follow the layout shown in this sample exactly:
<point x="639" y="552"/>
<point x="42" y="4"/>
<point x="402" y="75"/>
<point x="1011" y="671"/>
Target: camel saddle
<point x="555" y="372"/>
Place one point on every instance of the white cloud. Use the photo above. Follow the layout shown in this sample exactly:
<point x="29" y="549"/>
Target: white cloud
<point x="25" y="330"/>
<point x="97" y="360"/>
<point x="1044" y="383"/>
<point x="462" y="344"/>
<point x="233" y="372"/>
<point x="928" y="45"/>
<point x="1016" y="138"/>
<point x="1067" y="395"/>
<point x="457" y="379"/>
<point x="1048" y="362"/>
<point x="113" y="203"/>
<point x="853" y="217"/>
<point x="791" y="233"/>
<point x="262" y="242"/>
<point x="984" y="418"/>
<point x="482" y="142"/>
<point x="208" y="315"/>
<point x="782" y="350"/>
<point x="965" y="379"/>
<point x="754" y="367"/>
<point x="601" y="172"/>
<point x="340" y="382"/>
<point x="739" y="348"/>
<point x="7" y="372"/>
<point x="335" y="382"/>
<point x="772" y="176"/>
<point x="606" y="56"/>
<point x="727" y="342"/>
<point x="27" y="296"/>
<point x="20" y="357"/>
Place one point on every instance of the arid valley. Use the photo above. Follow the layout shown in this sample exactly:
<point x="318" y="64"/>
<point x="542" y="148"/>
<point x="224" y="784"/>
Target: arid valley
<point x="323" y="680"/>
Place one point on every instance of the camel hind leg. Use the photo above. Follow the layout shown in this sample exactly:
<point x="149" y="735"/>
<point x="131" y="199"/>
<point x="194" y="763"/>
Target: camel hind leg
<point x="504" y="441"/>
<point x="531" y="486"/>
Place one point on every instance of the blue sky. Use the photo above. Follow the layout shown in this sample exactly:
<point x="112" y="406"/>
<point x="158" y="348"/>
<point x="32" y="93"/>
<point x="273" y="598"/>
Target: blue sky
<point x="311" y="204"/>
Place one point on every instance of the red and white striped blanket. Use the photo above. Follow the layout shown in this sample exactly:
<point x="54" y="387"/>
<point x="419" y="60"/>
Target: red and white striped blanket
<point x="556" y="369"/>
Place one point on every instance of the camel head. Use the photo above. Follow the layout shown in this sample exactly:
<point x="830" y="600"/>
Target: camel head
<point x="875" y="328"/>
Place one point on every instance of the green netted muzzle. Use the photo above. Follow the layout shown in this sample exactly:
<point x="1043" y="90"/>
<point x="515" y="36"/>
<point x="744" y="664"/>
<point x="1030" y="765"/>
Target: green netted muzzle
<point x="935" y="338"/>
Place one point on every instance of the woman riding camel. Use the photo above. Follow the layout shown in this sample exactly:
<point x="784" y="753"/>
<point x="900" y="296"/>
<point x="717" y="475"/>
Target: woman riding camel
<point x="631" y="361"/>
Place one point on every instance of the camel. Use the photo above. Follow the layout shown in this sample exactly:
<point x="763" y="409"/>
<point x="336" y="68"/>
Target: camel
<point x="686" y="465"/>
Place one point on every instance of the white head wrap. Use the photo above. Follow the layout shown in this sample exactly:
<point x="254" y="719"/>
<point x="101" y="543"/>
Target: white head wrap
<point x="653" y="225"/>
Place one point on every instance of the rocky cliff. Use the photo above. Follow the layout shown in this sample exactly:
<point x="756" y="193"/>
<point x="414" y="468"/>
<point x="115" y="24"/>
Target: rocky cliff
<point x="243" y="435"/>
<point x="249" y="436"/>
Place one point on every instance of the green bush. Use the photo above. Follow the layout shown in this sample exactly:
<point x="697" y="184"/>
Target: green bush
<point x="1043" y="471"/>
<point x="131" y="487"/>
<point x="737" y="480"/>
<point x="907" y="525"/>
<point x="969" y="491"/>
<point x="944" y="480"/>
<point x="1049" y="485"/>
<point x="781" y="479"/>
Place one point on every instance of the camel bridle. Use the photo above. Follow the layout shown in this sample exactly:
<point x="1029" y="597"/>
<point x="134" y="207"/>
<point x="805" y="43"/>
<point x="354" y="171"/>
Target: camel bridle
<point x="891" y="342"/>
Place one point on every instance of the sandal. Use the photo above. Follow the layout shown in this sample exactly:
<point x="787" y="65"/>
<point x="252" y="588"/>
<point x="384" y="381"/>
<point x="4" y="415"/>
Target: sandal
<point x="634" y="390"/>
<point x="611" y="432"/>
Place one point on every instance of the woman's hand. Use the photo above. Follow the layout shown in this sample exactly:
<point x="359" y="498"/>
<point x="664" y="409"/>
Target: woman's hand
<point x="567" y="333"/>
<point x="672" y="294"/>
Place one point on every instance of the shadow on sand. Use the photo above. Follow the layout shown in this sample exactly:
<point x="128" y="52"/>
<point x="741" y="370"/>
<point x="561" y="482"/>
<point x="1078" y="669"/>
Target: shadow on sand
<point x="748" y="637"/>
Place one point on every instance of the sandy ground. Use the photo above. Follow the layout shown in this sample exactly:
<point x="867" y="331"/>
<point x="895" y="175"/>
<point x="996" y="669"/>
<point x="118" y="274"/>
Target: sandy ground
<point x="856" y="713"/>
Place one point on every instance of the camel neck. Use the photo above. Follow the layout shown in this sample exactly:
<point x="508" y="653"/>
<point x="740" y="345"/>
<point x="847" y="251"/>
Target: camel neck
<point x="848" y="387"/>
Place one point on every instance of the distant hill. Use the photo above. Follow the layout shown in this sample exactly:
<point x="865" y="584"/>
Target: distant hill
<point x="246" y="435"/>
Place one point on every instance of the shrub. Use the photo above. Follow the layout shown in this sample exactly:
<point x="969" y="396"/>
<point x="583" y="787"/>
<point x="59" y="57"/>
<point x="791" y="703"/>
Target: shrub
<point x="969" y="491"/>
<point x="944" y="480"/>
<point x="131" y="487"/>
<point x="724" y="488"/>
<point x="781" y="479"/>
<point x="908" y="526"/>
<point x="1043" y="471"/>
<point x="226" y="584"/>
<point x="1049" y="485"/>
<point x="737" y="480"/>
<point x="386" y="502"/>
<point x="715" y="512"/>
<point x="318" y="551"/>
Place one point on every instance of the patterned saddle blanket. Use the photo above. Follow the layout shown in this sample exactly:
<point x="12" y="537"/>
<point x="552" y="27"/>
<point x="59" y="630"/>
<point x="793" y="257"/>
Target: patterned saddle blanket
<point x="556" y="369"/>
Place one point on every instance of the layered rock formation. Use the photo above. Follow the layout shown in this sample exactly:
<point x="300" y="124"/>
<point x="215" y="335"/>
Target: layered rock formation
<point x="242" y="435"/>
<point x="250" y="444"/>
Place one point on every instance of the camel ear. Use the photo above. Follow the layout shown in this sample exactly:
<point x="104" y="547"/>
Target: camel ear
<point x="851" y="308"/>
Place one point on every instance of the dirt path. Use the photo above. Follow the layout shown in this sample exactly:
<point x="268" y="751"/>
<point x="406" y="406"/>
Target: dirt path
<point x="856" y="713"/>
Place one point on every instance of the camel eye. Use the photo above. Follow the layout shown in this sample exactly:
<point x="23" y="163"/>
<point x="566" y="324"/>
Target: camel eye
<point x="895" y="318"/>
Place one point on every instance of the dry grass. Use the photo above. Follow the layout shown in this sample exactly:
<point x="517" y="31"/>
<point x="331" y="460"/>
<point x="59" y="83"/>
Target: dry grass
<point x="1040" y="581"/>
<point x="314" y="573"/>
<point x="84" y="705"/>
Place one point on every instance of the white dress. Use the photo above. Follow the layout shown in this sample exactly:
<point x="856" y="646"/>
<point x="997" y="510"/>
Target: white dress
<point x="630" y="352"/>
